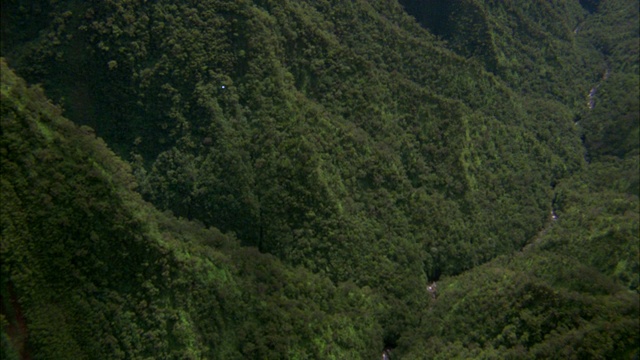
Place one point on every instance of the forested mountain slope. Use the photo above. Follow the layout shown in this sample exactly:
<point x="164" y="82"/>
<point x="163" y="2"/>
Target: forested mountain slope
<point x="311" y="129"/>
<point x="374" y="148"/>
<point x="90" y="271"/>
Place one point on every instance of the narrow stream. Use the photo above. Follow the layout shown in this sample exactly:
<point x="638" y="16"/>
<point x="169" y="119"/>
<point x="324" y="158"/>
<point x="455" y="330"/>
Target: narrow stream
<point x="591" y="97"/>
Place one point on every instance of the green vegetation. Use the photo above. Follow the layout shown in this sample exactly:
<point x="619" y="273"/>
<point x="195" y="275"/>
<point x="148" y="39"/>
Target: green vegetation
<point x="287" y="177"/>
<point x="98" y="273"/>
<point x="532" y="305"/>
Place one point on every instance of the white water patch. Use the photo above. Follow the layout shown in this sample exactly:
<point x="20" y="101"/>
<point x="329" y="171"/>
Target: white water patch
<point x="591" y="98"/>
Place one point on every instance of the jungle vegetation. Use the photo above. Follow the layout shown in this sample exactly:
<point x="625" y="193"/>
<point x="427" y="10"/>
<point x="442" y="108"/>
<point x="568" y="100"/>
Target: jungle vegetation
<point x="279" y="179"/>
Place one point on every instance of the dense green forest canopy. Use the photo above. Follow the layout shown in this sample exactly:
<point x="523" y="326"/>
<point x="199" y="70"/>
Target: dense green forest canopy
<point x="288" y="177"/>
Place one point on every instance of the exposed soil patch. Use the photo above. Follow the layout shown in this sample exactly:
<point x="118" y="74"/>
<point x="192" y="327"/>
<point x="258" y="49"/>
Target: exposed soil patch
<point x="17" y="328"/>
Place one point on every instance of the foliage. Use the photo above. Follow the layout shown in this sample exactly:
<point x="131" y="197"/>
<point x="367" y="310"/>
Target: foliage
<point x="89" y="270"/>
<point x="296" y="129"/>
<point x="613" y="125"/>
<point x="599" y="217"/>
<point x="315" y="164"/>
<point x="535" y="304"/>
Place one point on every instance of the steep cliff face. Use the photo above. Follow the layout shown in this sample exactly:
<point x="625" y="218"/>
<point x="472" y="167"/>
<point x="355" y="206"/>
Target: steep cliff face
<point x="378" y="145"/>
